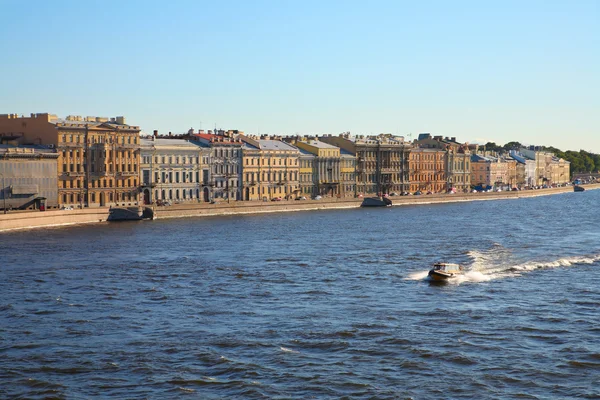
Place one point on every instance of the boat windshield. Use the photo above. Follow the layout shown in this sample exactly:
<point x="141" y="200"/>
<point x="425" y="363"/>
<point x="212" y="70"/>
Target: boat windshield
<point x="445" y="267"/>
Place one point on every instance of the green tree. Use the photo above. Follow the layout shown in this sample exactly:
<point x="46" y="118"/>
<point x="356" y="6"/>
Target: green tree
<point x="491" y="146"/>
<point x="588" y="161"/>
<point x="512" y="146"/>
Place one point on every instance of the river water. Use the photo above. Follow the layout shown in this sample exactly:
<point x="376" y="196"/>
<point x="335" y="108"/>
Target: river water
<point x="320" y="304"/>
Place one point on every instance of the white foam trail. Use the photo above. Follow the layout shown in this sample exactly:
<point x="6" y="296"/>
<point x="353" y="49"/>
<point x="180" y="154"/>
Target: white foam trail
<point x="417" y="276"/>
<point x="287" y="350"/>
<point x="561" y="262"/>
<point x="472" y="276"/>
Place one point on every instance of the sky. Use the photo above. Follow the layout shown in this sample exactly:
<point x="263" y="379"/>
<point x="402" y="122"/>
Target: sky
<point x="526" y="71"/>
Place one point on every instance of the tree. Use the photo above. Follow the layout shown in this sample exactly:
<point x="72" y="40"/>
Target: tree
<point x="491" y="146"/>
<point x="512" y="146"/>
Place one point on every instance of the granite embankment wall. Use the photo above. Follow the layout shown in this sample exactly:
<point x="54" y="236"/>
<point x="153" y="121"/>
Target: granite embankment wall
<point x="35" y="219"/>
<point x="24" y="220"/>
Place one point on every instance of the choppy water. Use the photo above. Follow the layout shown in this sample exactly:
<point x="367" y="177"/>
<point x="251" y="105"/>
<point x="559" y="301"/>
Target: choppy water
<point x="330" y="304"/>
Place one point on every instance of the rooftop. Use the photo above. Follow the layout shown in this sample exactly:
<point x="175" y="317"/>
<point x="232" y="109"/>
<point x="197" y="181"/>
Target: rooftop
<point x="319" y="144"/>
<point x="266" y="144"/>
<point x="168" y="142"/>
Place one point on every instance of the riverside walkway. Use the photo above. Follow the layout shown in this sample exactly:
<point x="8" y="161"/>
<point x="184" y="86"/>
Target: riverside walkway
<point x="37" y="219"/>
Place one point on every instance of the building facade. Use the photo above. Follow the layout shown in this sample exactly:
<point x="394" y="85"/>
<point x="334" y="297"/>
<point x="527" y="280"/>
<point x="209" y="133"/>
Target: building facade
<point x="549" y="169"/>
<point x="382" y="161"/>
<point x="225" y="160"/>
<point x="98" y="163"/>
<point x="327" y="167"/>
<point x="28" y="177"/>
<point x="171" y="170"/>
<point x="272" y="165"/>
<point x="306" y="174"/>
<point x="428" y="170"/>
<point x="251" y="169"/>
<point x="458" y="160"/>
<point x="348" y="174"/>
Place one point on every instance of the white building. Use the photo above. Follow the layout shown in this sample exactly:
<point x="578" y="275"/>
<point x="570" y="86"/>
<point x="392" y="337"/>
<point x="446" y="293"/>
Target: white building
<point x="172" y="170"/>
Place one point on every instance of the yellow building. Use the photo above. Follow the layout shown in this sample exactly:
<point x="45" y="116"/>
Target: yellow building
<point x="306" y="161"/>
<point x="98" y="163"/>
<point x="327" y="167"/>
<point x="270" y="168"/>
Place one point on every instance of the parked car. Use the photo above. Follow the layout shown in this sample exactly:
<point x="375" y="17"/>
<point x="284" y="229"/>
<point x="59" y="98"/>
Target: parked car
<point x="301" y="198"/>
<point x="276" y="199"/>
<point x="418" y="193"/>
<point x="317" y="197"/>
<point x="69" y="208"/>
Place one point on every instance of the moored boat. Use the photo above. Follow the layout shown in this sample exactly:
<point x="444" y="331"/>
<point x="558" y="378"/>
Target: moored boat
<point x="578" y="188"/>
<point x="376" y="202"/>
<point x="445" y="271"/>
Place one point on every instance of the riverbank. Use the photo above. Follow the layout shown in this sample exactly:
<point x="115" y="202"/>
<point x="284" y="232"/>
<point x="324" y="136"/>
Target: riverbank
<point x="28" y="220"/>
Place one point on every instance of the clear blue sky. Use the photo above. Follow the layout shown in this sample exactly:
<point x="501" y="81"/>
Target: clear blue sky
<point x="479" y="70"/>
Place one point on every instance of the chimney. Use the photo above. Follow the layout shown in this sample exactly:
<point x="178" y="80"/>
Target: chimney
<point x="453" y="138"/>
<point x="155" y="134"/>
<point x="170" y="134"/>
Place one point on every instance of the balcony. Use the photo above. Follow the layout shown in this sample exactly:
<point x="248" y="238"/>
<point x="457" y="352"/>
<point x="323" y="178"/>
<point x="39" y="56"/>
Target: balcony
<point x="122" y="174"/>
<point x="71" y="175"/>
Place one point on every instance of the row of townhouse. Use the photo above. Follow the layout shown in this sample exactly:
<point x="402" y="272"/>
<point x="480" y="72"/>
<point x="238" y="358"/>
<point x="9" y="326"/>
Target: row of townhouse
<point x="522" y="168"/>
<point x="99" y="161"/>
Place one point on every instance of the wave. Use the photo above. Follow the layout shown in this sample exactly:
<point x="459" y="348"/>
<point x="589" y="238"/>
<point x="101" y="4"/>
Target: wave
<point x="491" y="265"/>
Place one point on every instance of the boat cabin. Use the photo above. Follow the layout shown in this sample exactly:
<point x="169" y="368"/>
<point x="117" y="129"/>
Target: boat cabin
<point x="446" y="267"/>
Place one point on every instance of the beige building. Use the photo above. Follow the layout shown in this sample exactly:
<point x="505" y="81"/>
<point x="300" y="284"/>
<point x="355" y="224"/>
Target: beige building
<point x="98" y="163"/>
<point x="270" y="168"/>
<point x="458" y="159"/>
<point x="549" y="169"/>
<point x="428" y="170"/>
<point x="495" y="172"/>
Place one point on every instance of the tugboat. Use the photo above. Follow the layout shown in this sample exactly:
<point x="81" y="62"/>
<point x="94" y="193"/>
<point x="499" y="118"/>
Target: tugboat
<point x="441" y="272"/>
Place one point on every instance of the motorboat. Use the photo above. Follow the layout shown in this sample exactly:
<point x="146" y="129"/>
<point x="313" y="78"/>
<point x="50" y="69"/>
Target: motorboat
<point x="376" y="202"/>
<point x="578" y="188"/>
<point x="445" y="271"/>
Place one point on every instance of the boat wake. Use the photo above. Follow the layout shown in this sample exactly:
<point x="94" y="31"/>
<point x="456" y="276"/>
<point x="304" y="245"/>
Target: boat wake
<point x="495" y="264"/>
